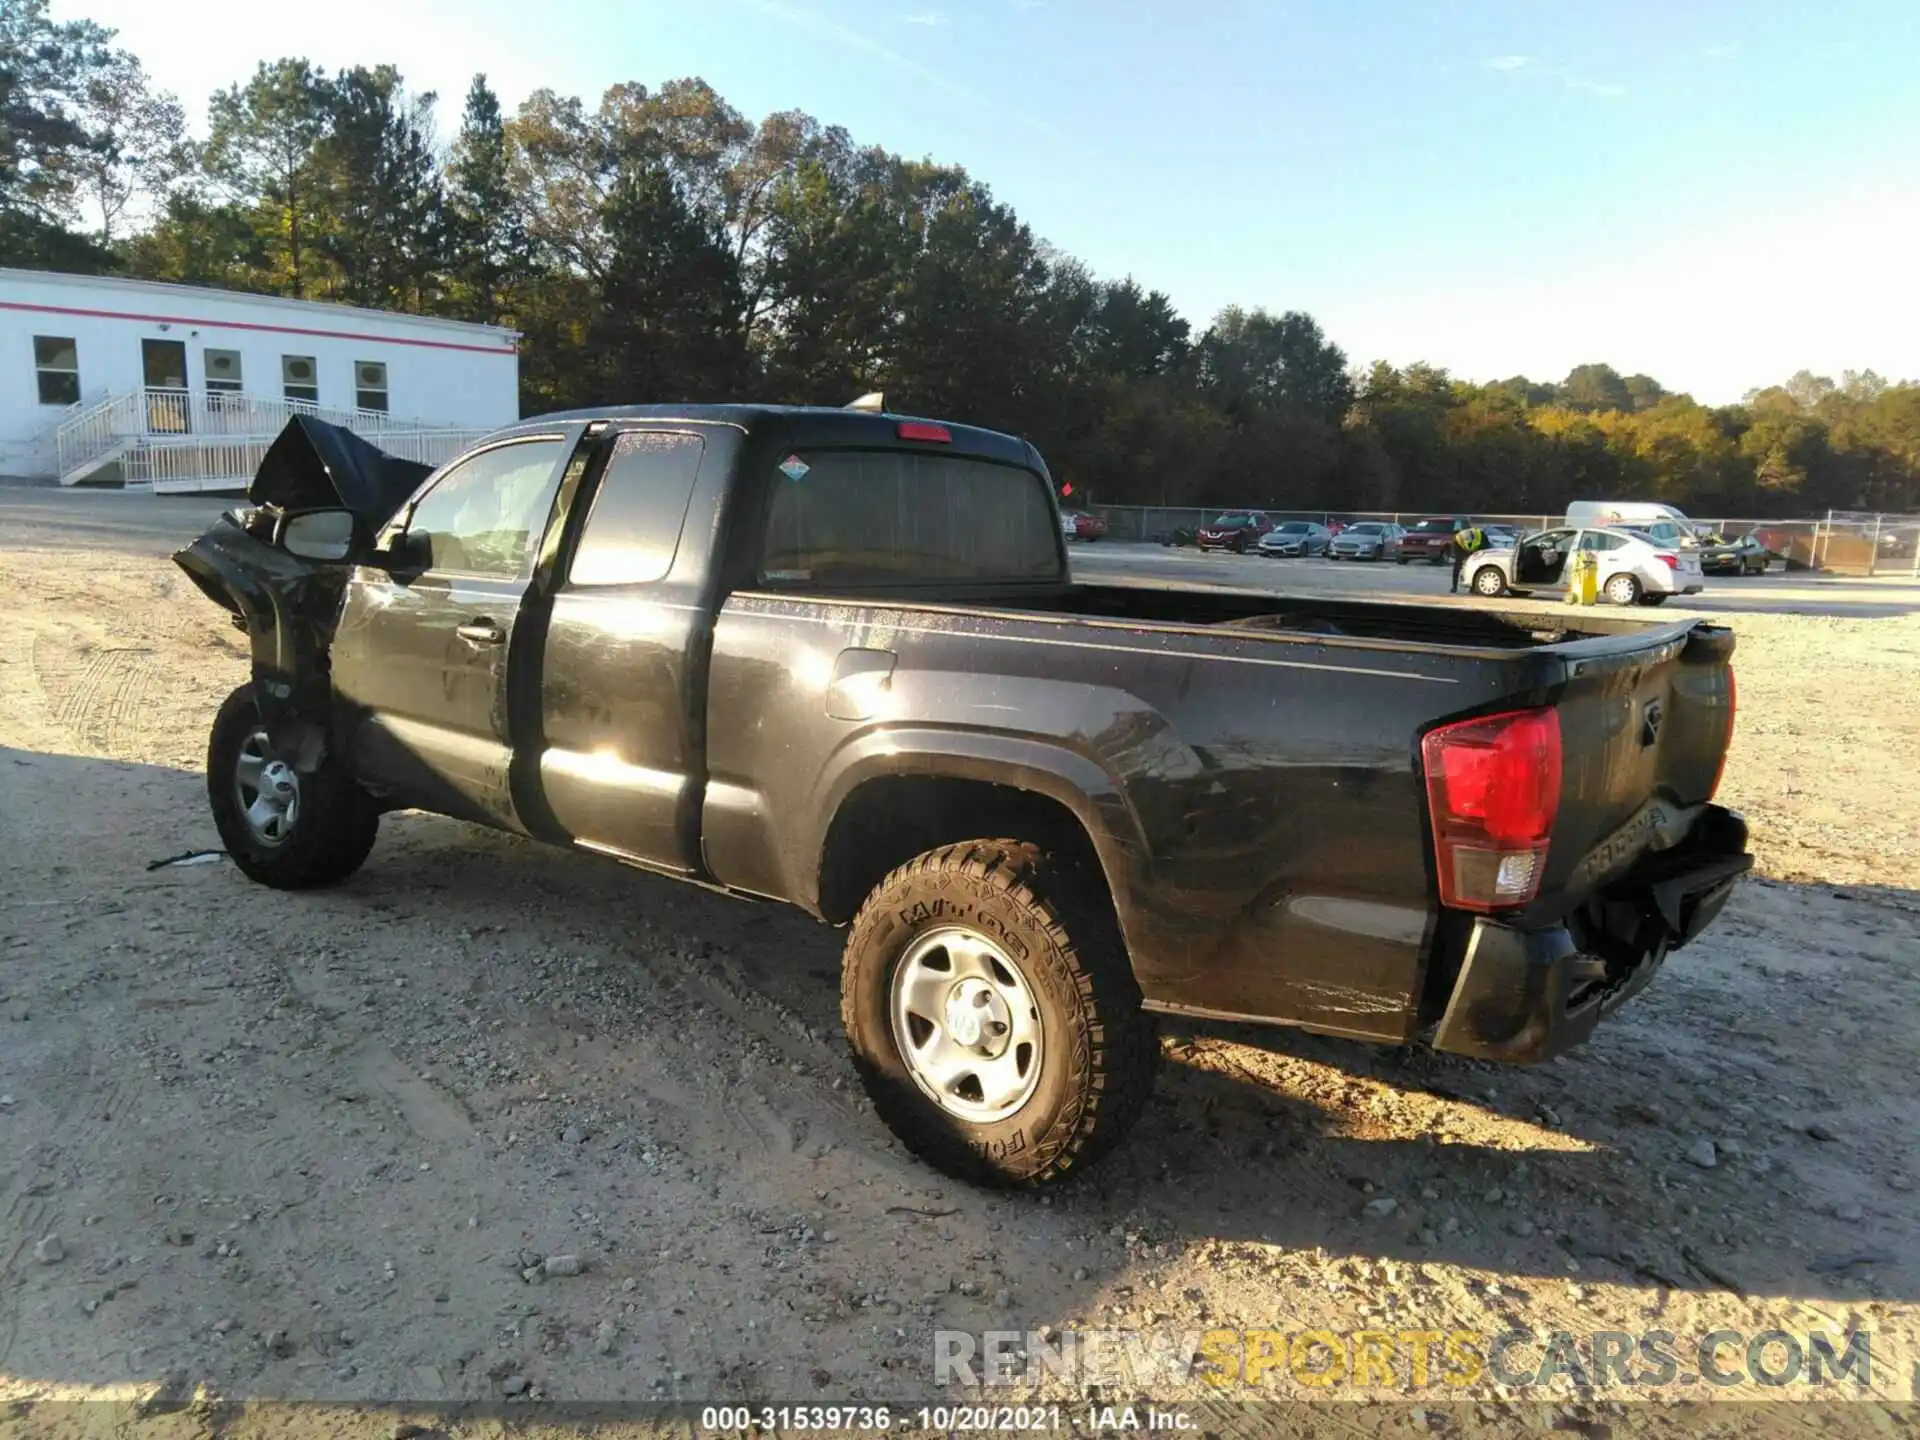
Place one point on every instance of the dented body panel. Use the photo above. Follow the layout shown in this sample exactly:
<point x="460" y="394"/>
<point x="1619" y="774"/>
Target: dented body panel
<point x="1245" y="768"/>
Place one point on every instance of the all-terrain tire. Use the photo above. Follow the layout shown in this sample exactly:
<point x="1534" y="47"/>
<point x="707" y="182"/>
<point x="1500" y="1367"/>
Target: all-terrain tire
<point x="1100" y="1048"/>
<point x="333" y="827"/>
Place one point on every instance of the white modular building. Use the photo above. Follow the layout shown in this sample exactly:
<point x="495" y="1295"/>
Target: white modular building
<point x="175" y="387"/>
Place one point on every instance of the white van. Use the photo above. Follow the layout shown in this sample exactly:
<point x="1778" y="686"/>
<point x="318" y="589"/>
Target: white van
<point x="1664" y="523"/>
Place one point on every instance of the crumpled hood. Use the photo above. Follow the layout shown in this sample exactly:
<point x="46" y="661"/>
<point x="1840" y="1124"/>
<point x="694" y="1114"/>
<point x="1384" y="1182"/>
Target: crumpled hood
<point x="317" y="466"/>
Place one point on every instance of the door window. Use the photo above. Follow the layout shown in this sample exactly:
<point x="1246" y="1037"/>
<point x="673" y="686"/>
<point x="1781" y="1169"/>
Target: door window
<point x="633" y="529"/>
<point x="1600" y="540"/>
<point x="485" y="514"/>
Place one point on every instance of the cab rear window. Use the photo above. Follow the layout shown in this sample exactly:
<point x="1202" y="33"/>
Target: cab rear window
<point x="891" y="517"/>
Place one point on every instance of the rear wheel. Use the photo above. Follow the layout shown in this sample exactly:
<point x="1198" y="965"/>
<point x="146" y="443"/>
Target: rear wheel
<point x="284" y="828"/>
<point x="993" y="1015"/>
<point x="1488" y="581"/>
<point x="1624" y="589"/>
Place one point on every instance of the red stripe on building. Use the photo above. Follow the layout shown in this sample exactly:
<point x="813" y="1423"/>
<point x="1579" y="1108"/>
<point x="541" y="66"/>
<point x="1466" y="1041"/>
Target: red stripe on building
<point x="247" y="325"/>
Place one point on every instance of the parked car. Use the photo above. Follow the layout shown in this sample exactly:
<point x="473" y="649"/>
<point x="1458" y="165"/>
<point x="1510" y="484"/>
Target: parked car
<point x="1500" y="536"/>
<point x="748" y="647"/>
<point x="1296" y="537"/>
<point x="1745" y="556"/>
<point x="1237" y="530"/>
<point x="1079" y="525"/>
<point x="1367" y="540"/>
<point x="1664" y="524"/>
<point x="1633" y="569"/>
<point x="1431" y="540"/>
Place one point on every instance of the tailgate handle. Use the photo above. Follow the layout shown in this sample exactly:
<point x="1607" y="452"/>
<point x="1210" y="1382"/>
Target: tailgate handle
<point x="860" y="679"/>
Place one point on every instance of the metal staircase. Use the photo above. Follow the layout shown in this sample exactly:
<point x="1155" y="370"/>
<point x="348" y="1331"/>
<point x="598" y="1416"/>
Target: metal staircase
<point x="174" y="441"/>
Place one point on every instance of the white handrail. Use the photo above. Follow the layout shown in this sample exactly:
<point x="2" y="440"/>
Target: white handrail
<point x="194" y="462"/>
<point x="152" y="418"/>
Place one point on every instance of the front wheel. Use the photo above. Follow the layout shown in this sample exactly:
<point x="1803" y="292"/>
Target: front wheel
<point x="993" y="1016"/>
<point x="1624" y="589"/>
<point x="1488" y="581"/>
<point x="289" y="829"/>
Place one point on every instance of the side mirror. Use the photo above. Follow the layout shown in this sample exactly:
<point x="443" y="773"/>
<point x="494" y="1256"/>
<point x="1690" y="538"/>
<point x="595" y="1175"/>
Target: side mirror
<point x="319" y="535"/>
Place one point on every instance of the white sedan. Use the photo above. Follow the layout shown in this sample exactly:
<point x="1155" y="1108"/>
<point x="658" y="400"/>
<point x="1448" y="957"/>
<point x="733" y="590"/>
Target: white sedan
<point x="1635" y="569"/>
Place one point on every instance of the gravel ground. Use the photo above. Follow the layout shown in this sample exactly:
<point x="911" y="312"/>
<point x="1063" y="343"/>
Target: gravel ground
<point x="492" y="1123"/>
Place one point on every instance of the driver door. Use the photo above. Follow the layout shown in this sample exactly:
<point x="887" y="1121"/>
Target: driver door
<point x="1542" y="559"/>
<point x="423" y="657"/>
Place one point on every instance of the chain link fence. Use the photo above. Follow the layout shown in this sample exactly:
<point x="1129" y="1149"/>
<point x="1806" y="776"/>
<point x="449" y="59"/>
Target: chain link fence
<point x="1841" y="542"/>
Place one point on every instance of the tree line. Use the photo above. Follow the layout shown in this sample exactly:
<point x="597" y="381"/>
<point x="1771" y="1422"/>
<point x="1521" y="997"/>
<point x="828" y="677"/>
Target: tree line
<point x="658" y="245"/>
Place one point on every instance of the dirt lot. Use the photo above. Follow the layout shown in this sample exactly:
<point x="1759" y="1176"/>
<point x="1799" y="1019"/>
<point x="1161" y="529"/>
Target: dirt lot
<point x="340" y="1147"/>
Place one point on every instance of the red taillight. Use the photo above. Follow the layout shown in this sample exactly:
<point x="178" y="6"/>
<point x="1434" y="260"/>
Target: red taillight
<point x="921" y="430"/>
<point x="1670" y="561"/>
<point x="1493" y="786"/>
<point x="1733" y="705"/>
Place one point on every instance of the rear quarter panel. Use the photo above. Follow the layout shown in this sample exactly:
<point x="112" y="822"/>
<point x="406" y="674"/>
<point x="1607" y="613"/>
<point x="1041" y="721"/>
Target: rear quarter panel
<point x="1254" y="799"/>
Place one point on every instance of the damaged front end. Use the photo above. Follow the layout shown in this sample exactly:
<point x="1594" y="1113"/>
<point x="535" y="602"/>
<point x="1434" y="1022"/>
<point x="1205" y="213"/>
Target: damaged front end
<point x="287" y="600"/>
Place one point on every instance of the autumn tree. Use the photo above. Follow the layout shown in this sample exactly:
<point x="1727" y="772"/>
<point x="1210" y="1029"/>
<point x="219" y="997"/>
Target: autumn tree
<point x="265" y="148"/>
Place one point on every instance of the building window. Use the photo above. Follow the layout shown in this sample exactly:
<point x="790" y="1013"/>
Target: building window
<point x="223" y="372"/>
<point x="370" y="385"/>
<point x="299" y="379"/>
<point x="56" y="363"/>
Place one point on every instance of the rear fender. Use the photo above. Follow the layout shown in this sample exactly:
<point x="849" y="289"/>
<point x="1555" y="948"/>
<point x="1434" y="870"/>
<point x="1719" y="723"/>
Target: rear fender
<point x="1072" y="779"/>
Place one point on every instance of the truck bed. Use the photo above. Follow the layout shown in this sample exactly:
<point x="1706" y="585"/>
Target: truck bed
<point x="1248" y="765"/>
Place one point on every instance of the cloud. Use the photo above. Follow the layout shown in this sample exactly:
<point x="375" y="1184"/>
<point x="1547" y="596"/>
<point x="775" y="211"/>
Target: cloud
<point x="1595" y="87"/>
<point x="850" y="39"/>
<point x="1509" y="62"/>
<point x="931" y="19"/>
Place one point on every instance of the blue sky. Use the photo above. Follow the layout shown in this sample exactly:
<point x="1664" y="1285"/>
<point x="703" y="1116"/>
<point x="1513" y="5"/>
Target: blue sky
<point x="1716" y="193"/>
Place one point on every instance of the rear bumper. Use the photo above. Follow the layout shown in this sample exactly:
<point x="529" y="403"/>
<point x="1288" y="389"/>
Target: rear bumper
<point x="1528" y="995"/>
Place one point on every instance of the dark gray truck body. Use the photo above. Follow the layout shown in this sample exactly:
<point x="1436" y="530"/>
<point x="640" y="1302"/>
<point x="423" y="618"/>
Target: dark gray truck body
<point x="1242" y="771"/>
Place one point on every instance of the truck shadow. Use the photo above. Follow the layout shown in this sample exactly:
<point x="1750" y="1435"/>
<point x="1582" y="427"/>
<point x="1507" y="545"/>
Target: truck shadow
<point x="702" y="1033"/>
<point x="1567" y="1170"/>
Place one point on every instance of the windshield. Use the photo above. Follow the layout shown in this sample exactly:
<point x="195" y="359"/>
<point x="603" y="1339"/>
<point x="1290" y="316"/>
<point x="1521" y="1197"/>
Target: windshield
<point x="870" y="517"/>
<point x="1442" y="527"/>
<point x="1295" y="527"/>
<point x="1234" y="520"/>
<point x="1368" y="529"/>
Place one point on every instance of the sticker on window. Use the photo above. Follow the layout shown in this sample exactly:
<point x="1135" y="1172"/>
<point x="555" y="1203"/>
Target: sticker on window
<point x="793" y="467"/>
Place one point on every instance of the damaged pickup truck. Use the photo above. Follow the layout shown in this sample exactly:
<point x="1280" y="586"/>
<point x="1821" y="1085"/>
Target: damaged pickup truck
<point x="837" y="659"/>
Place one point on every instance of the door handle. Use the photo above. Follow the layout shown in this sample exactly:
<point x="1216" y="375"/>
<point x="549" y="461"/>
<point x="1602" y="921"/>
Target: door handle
<point x="482" y="632"/>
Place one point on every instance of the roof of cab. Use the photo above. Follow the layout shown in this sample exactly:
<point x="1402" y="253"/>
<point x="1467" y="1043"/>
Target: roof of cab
<point x="813" y="424"/>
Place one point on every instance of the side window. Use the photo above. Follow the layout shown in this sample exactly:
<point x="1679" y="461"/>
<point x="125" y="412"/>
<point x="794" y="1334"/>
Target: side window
<point x="56" y="365"/>
<point x="300" y="379"/>
<point x="634" y="526"/>
<point x="486" y="514"/>
<point x="1599" y="540"/>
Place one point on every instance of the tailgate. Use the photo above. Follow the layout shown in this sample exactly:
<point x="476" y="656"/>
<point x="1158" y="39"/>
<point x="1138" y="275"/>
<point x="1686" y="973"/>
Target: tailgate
<point x="1644" y="733"/>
